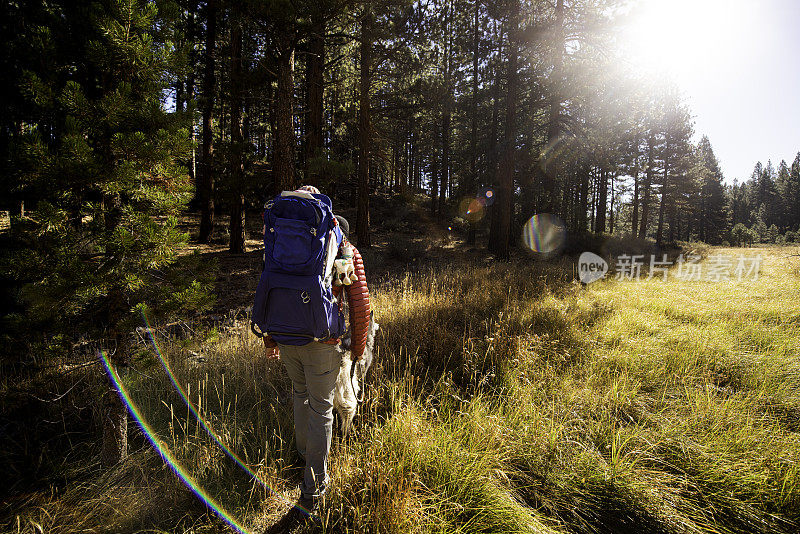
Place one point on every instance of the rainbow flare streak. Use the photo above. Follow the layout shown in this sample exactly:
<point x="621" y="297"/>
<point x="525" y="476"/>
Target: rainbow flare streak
<point x="207" y="426"/>
<point x="169" y="458"/>
<point x="165" y="453"/>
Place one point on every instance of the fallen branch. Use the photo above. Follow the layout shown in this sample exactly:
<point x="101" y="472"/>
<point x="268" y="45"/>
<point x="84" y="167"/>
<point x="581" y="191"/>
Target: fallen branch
<point x="59" y="397"/>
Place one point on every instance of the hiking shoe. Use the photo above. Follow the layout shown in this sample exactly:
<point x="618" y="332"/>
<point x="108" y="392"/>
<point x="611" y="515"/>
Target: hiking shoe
<point x="309" y="506"/>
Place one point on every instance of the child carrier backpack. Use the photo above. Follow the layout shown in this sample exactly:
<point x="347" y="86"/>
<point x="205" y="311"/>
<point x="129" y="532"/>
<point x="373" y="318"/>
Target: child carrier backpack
<point x="294" y="301"/>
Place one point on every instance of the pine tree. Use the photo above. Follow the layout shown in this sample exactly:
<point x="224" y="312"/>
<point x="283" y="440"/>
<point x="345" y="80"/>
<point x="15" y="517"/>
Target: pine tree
<point x="783" y="187"/>
<point x="739" y="234"/>
<point x="107" y="183"/>
<point x="793" y="194"/>
<point x="677" y="130"/>
<point x="712" y="213"/>
<point x="763" y="191"/>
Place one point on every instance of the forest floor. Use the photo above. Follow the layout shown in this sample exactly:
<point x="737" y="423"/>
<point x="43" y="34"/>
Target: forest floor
<point x="505" y="397"/>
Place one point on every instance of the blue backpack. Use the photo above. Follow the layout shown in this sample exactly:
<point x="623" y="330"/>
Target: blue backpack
<point x="294" y="300"/>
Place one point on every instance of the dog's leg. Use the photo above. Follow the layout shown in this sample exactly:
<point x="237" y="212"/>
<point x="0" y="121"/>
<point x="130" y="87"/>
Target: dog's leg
<point x="347" y="420"/>
<point x="343" y="400"/>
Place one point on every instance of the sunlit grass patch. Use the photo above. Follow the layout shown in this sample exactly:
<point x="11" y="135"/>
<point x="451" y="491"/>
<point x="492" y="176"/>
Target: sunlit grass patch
<point x="716" y="351"/>
<point x="433" y="470"/>
<point x="506" y="398"/>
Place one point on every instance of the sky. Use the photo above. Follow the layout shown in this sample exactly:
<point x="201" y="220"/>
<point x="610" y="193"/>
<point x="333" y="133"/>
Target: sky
<point x="738" y="64"/>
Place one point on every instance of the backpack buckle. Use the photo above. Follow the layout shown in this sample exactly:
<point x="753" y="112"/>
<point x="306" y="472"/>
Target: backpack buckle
<point x="305" y="297"/>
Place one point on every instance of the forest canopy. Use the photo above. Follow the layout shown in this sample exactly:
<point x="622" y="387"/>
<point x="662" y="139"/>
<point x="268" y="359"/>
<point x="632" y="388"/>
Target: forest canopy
<point x="120" y="115"/>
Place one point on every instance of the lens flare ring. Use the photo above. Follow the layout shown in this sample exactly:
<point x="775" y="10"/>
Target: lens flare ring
<point x="544" y="233"/>
<point x="471" y="209"/>
<point x="486" y="196"/>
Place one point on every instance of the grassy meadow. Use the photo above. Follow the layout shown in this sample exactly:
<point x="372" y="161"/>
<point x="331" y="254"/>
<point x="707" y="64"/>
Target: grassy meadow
<point x="504" y="398"/>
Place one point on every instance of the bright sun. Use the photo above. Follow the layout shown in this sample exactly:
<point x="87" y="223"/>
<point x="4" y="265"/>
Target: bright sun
<point x="688" y="38"/>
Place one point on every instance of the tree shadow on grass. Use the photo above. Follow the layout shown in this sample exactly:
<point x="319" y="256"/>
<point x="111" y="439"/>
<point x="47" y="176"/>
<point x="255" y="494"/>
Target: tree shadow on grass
<point x="603" y="508"/>
<point x="481" y="339"/>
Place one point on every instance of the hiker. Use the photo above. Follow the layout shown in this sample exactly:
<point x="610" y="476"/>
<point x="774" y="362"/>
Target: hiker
<point x="308" y="265"/>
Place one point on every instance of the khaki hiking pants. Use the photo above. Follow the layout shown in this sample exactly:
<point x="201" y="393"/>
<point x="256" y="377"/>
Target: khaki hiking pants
<point x="313" y="369"/>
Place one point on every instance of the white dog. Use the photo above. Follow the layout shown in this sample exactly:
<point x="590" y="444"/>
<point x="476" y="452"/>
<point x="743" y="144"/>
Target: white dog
<point x="349" y="390"/>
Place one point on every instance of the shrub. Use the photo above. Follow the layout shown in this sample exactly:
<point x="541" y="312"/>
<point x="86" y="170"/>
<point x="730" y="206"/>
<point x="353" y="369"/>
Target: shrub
<point x="739" y="234"/>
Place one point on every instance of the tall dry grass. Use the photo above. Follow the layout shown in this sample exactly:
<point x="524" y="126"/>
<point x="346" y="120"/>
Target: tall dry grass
<point x="504" y="398"/>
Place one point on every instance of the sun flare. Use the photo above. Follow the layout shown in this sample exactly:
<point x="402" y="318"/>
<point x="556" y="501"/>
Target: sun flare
<point x="688" y="38"/>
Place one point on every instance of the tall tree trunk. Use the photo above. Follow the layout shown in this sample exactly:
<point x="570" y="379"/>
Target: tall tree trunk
<point x="446" y="117"/>
<point x="662" y="204"/>
<point x="206" y="194"/>
<point x="635" y="214"/>
<point x="500" y="243"/>
<point x="473" y="138"/>
<point x="237" y="211"/>
<point x="602" y="201"/>
<point x="415" y="173"/>
<point x="611" y="215"/>
<point x="445" y="176"/>
<point x="673" y="219"/>
<point x="393" y="171"/>
<point x="648" y="182"/>
<point x="272" y="120"/>
<point x="435" y="168"/>
<point x="405" y="177"/>
<point x="114" y="412"/>
<point x="190" y="92"/>
<point x="314" y="93"/>
<point x="283" y="167"/>
<point x="264" y="129"/>
<point x="362" y="217"/>
<point x="554" y="119"/>
<point x="583" y="196"/>
<point x="494" y="212"/>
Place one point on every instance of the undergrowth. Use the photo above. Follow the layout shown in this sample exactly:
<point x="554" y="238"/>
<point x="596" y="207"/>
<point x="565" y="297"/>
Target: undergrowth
<point x="504" y="398"/>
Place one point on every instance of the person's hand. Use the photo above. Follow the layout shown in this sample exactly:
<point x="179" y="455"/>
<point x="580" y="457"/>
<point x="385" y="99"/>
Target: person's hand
<point x="271" y="350"/>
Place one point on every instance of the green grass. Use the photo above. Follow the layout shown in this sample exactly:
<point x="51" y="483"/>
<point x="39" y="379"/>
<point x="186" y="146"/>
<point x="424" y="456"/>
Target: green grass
<point x="504" y="399"/>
